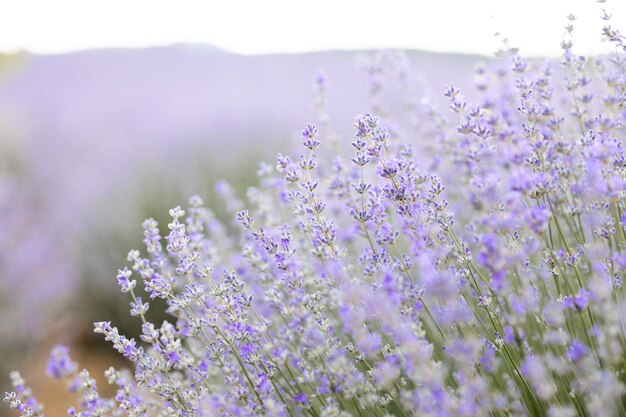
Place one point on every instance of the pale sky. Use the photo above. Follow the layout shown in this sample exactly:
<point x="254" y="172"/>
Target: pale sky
<point x="256" y="27"/>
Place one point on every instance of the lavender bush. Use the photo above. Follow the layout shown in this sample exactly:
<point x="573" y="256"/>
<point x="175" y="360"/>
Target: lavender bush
<point x="470" y="267"/>
<point x="66" y="219"/>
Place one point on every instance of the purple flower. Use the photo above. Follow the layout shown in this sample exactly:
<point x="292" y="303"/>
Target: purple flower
<point x="157" y="286"/>
<point x="309" y="134"/>
<point x="581" y="300"/>
<point x="123" y="280"/>
<point x="301" y="398"/>
<point x="60" y="365"/>
<point x="577" y="351"/>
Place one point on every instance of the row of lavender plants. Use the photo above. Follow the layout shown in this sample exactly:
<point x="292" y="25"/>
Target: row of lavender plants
<point x="470" y="267"/>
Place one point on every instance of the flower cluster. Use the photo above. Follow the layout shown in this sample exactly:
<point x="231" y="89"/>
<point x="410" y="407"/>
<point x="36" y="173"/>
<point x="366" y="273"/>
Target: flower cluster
<point x="380" y="283"/>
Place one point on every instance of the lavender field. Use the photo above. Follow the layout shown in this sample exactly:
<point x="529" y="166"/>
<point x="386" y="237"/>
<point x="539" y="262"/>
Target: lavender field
<point x="343" y="233"/>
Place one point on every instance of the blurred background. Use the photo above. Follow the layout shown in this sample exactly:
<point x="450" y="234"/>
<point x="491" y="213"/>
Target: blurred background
<point x="113" y="113"/>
